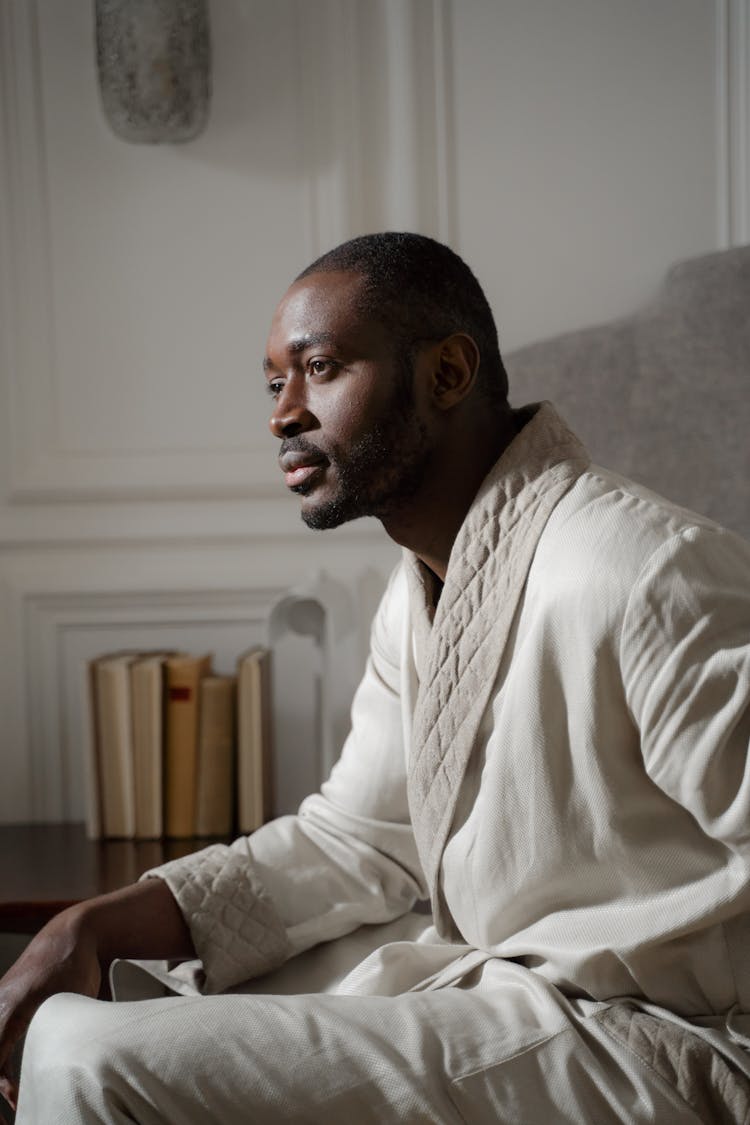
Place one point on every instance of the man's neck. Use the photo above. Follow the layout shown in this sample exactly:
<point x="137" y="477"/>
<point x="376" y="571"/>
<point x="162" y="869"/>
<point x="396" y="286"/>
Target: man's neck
<point x="429" y="525"/>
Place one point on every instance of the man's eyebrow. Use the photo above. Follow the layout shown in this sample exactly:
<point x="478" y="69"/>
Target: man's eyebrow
<point x="310" y="340"/>
<point x="301" y="344"/>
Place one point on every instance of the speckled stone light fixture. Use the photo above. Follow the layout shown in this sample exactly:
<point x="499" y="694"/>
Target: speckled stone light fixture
<point x="154" y="66"/>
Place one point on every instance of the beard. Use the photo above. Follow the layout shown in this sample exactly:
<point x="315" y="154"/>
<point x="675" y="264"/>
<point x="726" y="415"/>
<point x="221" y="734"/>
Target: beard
<point x="376" y="476"/>
<point x="381" y="470"/>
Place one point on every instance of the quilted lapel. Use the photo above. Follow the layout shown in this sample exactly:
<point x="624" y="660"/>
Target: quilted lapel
<point x="461" y="654"/>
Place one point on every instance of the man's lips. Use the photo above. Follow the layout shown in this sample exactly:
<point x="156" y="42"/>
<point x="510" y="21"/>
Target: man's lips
<point x="295" y="477"/>
<point x="299" y="466"/>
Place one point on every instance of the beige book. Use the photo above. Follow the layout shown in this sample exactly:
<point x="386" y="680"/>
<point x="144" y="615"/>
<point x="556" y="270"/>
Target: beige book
<point x="92" y="775"/>
<point x="254" y="739"/>
<point x="183" y="677"/>
<point x="147" y="694"/>
<point x="114" y="744"/>
<point x="216" y="741"/>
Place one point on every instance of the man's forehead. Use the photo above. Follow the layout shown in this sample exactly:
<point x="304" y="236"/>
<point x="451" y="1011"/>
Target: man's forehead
<point x="318" y="309"/>
<point x="323" y="291"/>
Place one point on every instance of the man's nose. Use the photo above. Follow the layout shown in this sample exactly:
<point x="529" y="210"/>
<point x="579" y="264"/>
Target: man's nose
<point x="290" y="416"/>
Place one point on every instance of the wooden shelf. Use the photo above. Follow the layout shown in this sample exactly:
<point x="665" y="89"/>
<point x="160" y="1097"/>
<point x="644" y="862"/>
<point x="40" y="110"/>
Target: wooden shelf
<point x="46" y="867"/>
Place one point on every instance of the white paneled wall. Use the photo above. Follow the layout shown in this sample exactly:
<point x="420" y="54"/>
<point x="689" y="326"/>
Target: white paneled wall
<point x="607" y="157"/>
<point x="570" y="150"/>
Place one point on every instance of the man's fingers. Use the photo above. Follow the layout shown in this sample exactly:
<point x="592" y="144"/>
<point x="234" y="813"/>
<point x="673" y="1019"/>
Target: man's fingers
<point x="9" y="1091"/>
<point x="11" y="1049"/>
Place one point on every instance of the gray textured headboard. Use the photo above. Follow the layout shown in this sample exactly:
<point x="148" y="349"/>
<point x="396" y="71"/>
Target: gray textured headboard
<point x="663" y="396"/>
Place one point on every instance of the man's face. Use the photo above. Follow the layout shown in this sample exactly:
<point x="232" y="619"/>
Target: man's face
<point x="352" y="441"/>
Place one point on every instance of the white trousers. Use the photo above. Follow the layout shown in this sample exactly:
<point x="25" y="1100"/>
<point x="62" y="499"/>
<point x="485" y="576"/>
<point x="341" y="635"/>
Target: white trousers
<point x="522" y="1055"/>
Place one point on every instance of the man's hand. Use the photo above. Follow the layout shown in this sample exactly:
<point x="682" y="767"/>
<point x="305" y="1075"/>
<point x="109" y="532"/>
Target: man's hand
<point x="73" y="951"/>
<point x="61" y="958"/>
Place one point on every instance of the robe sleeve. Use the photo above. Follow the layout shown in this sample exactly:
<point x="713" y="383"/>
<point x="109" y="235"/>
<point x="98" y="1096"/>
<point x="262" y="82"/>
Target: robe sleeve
<point x="685" y="655"/>
<point x="347" y="858"/>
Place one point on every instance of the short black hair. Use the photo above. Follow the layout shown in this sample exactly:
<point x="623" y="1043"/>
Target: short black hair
<point x="422" y="290"/>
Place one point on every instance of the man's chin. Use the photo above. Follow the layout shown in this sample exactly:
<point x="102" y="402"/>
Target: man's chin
<point x="323" y="517"/>
<point x="327" y="514"/>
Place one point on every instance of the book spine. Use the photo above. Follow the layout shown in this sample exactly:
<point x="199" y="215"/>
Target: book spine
<point x="115" y="748"/>
<point x="216" y="754"/>
<point x="183" y="677"/>
<point x="146" y="684"/>
<point x="91" y="755"/>
<point x="254" y="755"/>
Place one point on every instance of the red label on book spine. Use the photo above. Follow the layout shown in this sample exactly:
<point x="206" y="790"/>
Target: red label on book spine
<point x="180" y="693"/>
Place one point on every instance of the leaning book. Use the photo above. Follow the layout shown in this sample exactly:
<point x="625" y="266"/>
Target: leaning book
<point x="113" y="743"/>
<point x="254" y="740"/>
<point x="147" y="696"/>
<point x="183" y="678"/>
<point x="214" y="814"/>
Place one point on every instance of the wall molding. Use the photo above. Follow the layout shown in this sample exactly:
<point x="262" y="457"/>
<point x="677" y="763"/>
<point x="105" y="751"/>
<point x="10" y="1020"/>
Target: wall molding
<point x="445" y="154"/>
<point x="60" y="608"/>
<point x="194" y="524"/>
<point x="327" y="44"/>
<point x="39" y="469"/>
<point x="379" y="137"/>
<point x="733" y="121"/>
<point x="28" y="315"/>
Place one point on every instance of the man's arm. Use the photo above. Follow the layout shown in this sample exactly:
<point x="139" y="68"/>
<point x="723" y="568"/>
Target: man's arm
<point x="348" y="858"/>
<point x="73" y="951"/>
<point x="686" y="664"/>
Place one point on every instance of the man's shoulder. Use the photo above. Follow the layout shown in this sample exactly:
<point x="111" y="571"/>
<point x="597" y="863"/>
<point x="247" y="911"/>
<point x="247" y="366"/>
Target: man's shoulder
<point x="607" y="528"/>
<point x="611" y="509"/>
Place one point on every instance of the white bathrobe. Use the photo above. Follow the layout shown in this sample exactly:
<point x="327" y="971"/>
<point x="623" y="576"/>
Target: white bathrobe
<point x="583" y="694"/>
<point x="554" y="750"/>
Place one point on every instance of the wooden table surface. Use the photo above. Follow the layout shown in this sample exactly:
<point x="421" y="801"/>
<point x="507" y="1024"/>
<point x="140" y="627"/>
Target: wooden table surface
<point x="46" y="867"/>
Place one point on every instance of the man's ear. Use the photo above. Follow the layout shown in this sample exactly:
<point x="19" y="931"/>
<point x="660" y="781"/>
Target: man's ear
<point x="455" y="362"/>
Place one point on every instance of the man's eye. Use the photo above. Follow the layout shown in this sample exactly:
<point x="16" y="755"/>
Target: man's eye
<point x="321" y="366"/>
<point x="274" y="388"/>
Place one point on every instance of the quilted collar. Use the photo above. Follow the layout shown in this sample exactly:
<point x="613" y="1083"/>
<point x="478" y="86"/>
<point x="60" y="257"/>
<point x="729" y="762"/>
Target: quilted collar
<point x="460" y="643"/>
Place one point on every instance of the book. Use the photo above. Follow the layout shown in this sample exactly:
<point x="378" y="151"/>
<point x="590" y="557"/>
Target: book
<point x="147" y="697"/>
<point x="215" y="786"/>
<point x="92" y="772"/>
<point x="254" y="749"/>
<point x="114" y="744"/>
<point x="183" y="676"/>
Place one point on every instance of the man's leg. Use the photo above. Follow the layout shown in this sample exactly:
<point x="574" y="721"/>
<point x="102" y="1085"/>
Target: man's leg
<point x="445" y="1056"/>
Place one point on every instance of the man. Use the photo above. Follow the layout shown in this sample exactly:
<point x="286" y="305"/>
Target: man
<point x="550" y="742"/>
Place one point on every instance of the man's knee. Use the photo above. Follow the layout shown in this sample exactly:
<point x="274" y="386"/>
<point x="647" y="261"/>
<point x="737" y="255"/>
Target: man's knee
<point x="67" y="1058"/>
<point x="65" y="1027"/>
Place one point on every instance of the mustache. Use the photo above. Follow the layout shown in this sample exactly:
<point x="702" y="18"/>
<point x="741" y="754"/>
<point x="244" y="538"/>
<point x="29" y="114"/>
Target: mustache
<point x="299" y="444"/>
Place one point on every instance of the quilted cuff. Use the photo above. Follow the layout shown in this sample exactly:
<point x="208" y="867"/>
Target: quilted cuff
<point x="232" y="920"/>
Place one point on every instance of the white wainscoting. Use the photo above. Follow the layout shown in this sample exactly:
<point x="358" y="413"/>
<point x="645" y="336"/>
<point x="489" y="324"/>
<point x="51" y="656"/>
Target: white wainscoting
<point x="54" y="623"/>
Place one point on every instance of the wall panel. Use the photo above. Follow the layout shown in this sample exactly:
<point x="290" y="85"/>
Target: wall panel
<point x="587" y="152"/>
<point x="139" y="270"/>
